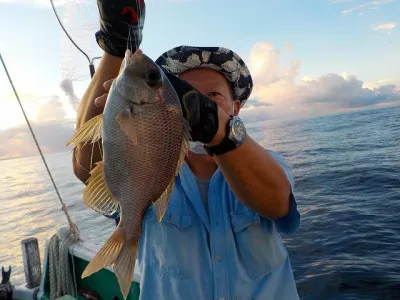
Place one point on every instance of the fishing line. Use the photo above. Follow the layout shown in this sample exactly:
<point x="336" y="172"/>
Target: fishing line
<point x="90" y="60"/>
<point x="73" y="227"/>
<point x="139" y="9"/>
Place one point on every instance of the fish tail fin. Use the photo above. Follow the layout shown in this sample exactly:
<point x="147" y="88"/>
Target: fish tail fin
<point x="119" y="252"/>
<point x="107" y="254"/>
<point x="124" y="267"/>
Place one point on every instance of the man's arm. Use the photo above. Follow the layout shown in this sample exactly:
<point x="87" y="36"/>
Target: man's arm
<point x="254" y="175"/>
<point x="118" y="31"/>
<point x="83" y="160"/>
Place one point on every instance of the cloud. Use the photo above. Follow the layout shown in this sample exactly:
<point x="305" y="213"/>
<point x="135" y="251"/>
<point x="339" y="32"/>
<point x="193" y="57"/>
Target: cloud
<point x="256" y="103"/>
<point x="380" y="83"/>
<point x="372" y="5"/>
<point x="52" y="137"/>
<point x="264" y="56"/>
<point x="50" y="127"/>
<point x="345" y="92"/>
<point x="385" y="27"/>
<point x="51" y="110"/>
<point x="278" y="87"/>
<point x="274" y="81"/>
<point x="254" y="110"/>
<point x="10" y="111"/>
<point x="49" y="118"/>
<point x="279" y="92"/>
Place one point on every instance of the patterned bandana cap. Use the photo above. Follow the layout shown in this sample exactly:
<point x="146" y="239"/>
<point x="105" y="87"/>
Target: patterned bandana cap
<point x="225" y="61"/>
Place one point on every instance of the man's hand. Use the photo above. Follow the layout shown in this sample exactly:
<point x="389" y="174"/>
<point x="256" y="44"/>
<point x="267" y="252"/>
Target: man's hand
<point x="121" y="25"/>
<point x="100" y="102"/>
<point x="200" y="111"/>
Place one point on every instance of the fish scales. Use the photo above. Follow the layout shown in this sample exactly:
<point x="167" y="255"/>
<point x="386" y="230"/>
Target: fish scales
<point x="144" y="140"/>
<point x="142" y="174"/>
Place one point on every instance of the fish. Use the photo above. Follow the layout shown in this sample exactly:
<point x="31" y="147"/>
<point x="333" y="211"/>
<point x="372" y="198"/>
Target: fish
<point x="145" y="139"/>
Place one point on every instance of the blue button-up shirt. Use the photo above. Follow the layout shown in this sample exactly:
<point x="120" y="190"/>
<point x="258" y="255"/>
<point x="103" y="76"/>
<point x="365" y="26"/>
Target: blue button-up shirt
<point x="228" y="253"/>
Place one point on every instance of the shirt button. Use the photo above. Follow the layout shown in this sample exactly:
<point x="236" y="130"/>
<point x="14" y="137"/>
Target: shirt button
<point x="219" y="259"/>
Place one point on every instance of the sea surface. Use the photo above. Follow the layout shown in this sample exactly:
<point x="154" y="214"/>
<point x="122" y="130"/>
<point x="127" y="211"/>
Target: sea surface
<point x="347" y="170"/>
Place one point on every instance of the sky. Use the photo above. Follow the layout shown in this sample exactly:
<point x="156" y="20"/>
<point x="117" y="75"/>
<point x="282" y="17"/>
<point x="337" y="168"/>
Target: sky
<point x="307" y="58"/>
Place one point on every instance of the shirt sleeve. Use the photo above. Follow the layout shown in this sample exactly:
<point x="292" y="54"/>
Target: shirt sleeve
<point x="289" y="223"/>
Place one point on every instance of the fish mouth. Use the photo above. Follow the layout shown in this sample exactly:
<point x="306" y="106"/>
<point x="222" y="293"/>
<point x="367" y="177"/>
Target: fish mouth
<point x="132" y="55"/>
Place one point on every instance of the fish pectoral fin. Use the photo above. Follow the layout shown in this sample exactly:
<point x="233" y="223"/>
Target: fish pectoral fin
<point x="124" y="267"/>
<point x="160" y="206"/>
<point x="108" y="254"/>
<point x="127" y="125"/>
<point x="96" y="194"/>
<point x="92" y="131"/>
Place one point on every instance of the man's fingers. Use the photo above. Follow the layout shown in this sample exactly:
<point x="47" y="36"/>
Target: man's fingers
<point x="101" y="101"/>
<point x="107" y="84"/>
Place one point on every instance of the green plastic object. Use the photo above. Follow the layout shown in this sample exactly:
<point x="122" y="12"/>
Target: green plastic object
<point x="103" y="282"/>
<point x="66" y="297"/>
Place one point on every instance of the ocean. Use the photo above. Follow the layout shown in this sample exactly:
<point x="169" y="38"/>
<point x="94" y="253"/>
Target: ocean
<point x="347" y="171"/>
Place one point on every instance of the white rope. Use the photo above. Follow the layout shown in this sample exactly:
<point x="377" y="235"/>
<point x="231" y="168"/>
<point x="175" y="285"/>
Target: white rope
<point x="58" y="253"/>
<point x="62" y="276"/>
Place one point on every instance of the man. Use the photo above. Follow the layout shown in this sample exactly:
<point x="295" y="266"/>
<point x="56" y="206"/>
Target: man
<point x="220" y="236"/>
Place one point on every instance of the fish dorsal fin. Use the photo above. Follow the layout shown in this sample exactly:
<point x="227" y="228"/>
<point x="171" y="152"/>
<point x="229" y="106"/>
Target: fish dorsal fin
<point x="92" y="131"/>
<point x="160" y="206"/>
<point x="96" y="194"/>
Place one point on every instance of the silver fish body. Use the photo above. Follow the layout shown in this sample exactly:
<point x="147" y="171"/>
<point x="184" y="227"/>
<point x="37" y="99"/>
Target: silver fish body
<point x="144" y="140"/>
<point x="139" y="168"/>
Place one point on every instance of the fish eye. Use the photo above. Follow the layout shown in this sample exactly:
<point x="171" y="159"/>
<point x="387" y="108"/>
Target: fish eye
<point x="153" y="78"/>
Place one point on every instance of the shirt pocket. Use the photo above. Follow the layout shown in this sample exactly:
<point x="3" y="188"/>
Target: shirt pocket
<point x="169" y="242"/>
<point x="259" y="247"/>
